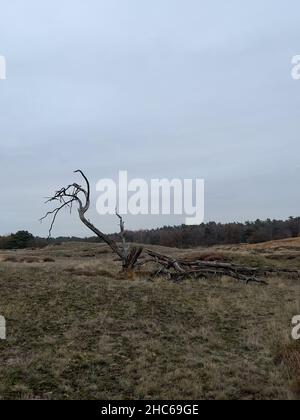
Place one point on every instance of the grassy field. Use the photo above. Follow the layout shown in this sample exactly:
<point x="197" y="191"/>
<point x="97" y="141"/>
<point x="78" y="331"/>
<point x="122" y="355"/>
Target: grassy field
<point x="77" y="329"/>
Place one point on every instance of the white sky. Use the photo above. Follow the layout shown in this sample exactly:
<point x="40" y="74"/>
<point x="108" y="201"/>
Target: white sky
<point x="189" y="89"/>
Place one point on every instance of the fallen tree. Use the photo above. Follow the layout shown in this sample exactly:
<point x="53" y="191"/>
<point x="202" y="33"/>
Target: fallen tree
<point x="178" y="269"/>
<point x="132" y="256"/>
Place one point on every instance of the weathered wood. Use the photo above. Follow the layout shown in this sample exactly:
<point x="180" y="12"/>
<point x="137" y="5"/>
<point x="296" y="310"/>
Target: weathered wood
<point x="179" y="269"/>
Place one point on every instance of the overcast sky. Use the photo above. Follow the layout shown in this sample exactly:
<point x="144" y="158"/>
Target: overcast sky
<point x="162" y="88"/>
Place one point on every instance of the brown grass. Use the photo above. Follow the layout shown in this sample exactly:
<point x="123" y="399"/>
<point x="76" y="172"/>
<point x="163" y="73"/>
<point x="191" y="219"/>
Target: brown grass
<point x="85" y="272"/>
<point x="10" y="259"/>
<point x="48" y="260"/>
<point x="289" y="357"/>
<point x="78" y="329"/>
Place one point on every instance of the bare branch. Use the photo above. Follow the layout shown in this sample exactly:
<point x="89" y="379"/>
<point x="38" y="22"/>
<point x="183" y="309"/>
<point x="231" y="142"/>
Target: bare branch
<point x="55" y="213"/>
<point x="86" y="192"/>
<point x="122" y="235"/>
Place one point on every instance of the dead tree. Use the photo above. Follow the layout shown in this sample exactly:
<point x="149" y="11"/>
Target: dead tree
<point x="74" y="193"/>
<point x="136" y="256"/>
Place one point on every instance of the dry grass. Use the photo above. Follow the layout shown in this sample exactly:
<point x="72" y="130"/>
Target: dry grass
<point x="289" y="357"/>
<point x="77" y="329"/>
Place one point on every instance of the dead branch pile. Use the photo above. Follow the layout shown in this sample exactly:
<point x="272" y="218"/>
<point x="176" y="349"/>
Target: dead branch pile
<point x="177" y="269"/>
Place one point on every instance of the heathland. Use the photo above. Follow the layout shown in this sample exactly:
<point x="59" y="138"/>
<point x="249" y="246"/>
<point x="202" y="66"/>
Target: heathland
<point x="77" y="328"/>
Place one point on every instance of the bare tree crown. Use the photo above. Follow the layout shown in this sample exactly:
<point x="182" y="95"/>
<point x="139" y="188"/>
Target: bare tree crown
<point x="75" y="193"/>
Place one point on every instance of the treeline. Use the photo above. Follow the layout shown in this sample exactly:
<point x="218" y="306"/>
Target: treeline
<point x="212" y="233"/>
<point x="206" y="234"/>
<point x="21" y="239"/>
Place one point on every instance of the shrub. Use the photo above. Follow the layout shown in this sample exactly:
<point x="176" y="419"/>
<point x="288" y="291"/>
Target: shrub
<point x="19" y="240"/>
